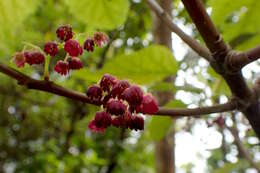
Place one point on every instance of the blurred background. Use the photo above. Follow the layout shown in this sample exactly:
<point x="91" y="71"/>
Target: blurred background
<point x="41" y="132"/>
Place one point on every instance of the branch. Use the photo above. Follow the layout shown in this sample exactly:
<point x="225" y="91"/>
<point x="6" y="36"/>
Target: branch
<point x="242" y="149"/>
<point x="208" y="31"/>
<point x="46" y="86"/>
<point x="196" y="112"/>
<point x="221" y="53"/>
<point x="253" y="54"/>
<point x="53" y="88"/>
<point x="195" y="45"/>
<point x="244" y="58"/>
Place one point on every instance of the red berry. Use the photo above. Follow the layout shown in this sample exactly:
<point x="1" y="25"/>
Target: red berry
<point x="133" y="95"/>
<point x="89" y="45"/>
<point x="73" y="48"/>
<point x="92" y="126"/>
<point x="100" y="38"/>
<point x="149" y="105"/>
<point x="122" y="121"/>
<point x="75" y="63"/>
<point x="136" y="123"/>
<point x="116" y="107"/>
<point x="33" y="57"/>
<point x="51" y="48"/>
<point x="107" y="82"/>
<point x="62" y="67"/>
<point x="106" y="99"/>
<point x="19" y="59"/>
<point x="64" y="32"/>
<point x="119" y="88"/>
<point x="220" y="121"/>
<point x="116" y="121"/>
<point x="102" y="119"/>
<point x="94" y="92"/>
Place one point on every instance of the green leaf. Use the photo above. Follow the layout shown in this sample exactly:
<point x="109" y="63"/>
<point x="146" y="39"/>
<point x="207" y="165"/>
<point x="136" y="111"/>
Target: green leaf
<point x="219" y="86"/>
<point x="163" y="86"/>
<point x="246" y="23"/>
<point x="175" y="104"/>
<point x="159" y="127"/>
<point x="100" y="14"/>
<point x="228" y="167"/>
<point x="241" y="164"/>
<point x="146" y="66"/>
<point x="12" y="15"/>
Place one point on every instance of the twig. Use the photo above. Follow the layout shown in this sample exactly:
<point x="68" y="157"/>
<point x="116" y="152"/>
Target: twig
<point x="242" y="149"/>
<point x="244" y="58"/>
<point x="195" y="45"/>
<point x="196" y="112"/>
<point x="208" y="31"/>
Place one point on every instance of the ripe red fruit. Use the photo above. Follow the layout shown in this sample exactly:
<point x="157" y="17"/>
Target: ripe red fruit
<point x="102" y="119"/>
<point x="94" y="92"/>
<point x="100" y="38"/>
<point x="19" y="59"/>
<point x="75" y="63"/>
<point x="89" y="45"/>
<point x="136" y="123"/>
<point x="116" y="122"/>
<point x="133" y="95"/>
<point x="33" y="57"/>
<point x="220" y="121"/>
<point x="73" y="48"/>
<point x="149" y="105"/>
<point x="51" y="48"/>
<point x="122" y="121"/>
<point x="116" y="107"/>
<point x="62" y="67"/>
<point x="119" y="88"/>
<point x="64" y="32"/>
<point x="92" y="126"/>
<point x="107" y="82"/>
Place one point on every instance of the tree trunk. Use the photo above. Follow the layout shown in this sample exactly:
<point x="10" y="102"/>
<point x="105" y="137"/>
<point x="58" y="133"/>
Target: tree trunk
<point x="164" y="149"/>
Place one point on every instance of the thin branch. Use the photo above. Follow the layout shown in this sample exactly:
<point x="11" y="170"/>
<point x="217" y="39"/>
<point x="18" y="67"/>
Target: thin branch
<point x="46" y="86"/>
<point x="195" y="45"/>
<point x="197" y="112"/>
<point x="242" y="149"/>
<point x="253" y="54"/>
<point x="53" y="88"/>
<point x="207" y="30"/>
<point x="244" y="58"/>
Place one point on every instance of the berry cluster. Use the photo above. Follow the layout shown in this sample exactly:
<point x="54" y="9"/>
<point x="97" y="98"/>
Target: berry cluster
<point x="121" y="103"/>
<point x="71" y="46"/>
<point x="30" y="57"/>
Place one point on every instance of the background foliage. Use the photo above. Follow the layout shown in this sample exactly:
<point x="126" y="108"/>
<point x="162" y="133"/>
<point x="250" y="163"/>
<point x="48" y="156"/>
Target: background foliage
<point x="40" y="132"/>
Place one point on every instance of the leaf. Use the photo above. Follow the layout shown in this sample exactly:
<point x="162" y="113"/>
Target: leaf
<point x="100" y="14"/>
<point x="162" y="86"/>
<point x="219" y="86"/>
<point x="237" y="19"/>
<point x="12" y="15"/>
<point x="228" y="167"/>
<point x="241" y="164"/>
<point x="175" y="104"/>
<point x="145" y="66"/>
<point x="159" y="127"/>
